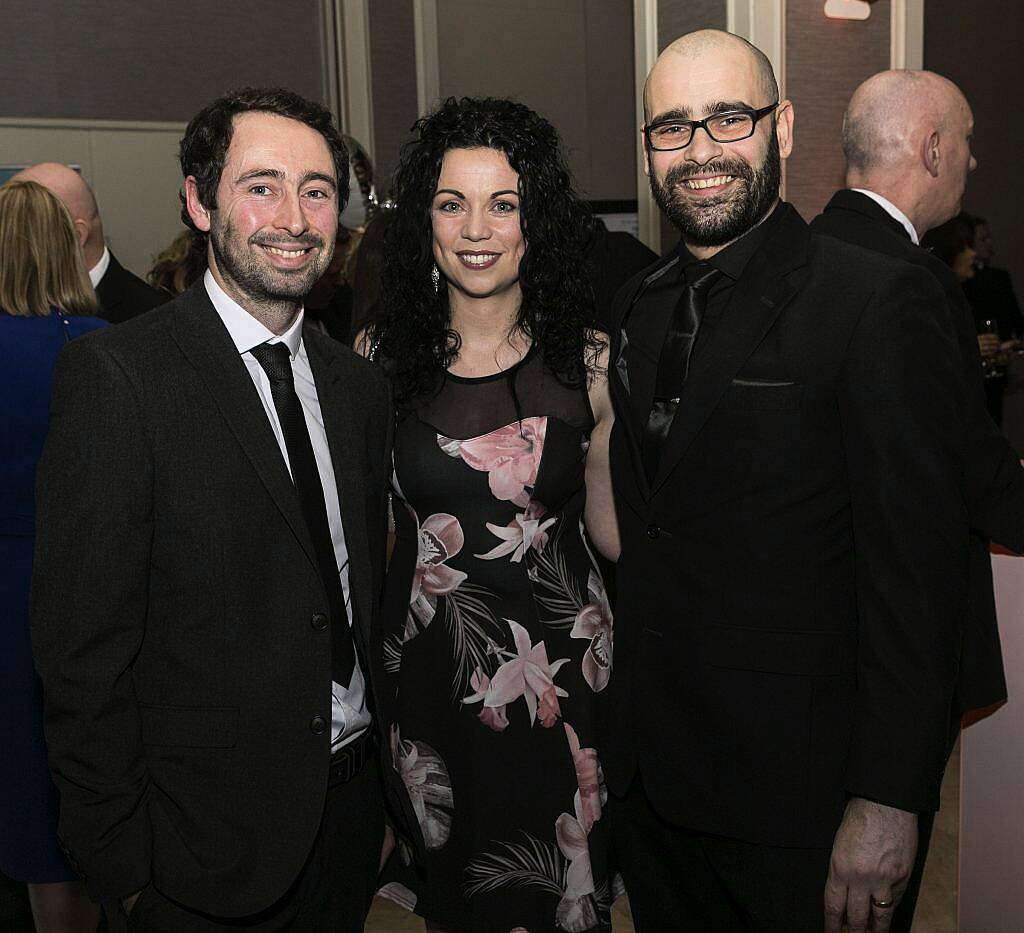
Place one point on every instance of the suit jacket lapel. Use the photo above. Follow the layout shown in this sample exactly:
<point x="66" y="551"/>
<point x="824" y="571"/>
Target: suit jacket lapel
<point x="632" y="389"/>
<point x="756" y="301"/>
<point x="337" y="399"/>
<point x="205" y="342"/>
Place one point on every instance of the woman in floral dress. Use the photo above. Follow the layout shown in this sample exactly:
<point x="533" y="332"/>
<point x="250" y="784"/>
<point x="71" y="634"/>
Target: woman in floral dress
<point x="499" y="636"/>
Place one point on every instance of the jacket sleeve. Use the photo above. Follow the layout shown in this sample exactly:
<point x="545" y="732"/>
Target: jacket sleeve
<point x="89" y="598"/>
<point x="902" y="410"/>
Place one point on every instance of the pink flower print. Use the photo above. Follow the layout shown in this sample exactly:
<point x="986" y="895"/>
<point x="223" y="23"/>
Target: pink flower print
<point x="428" y="785"/>
<point x="594" y="621"/>
<point x="493" y="717"/>
<point x="440" y="539"/>
<point x="526" y="530"/>
<point x="576" y="910"/>
<point x="527" y="674"/>
<point x="510" y="456"/>
<point x="588" y="779"/>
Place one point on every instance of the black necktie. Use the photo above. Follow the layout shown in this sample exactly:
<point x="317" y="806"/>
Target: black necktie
<point x="276" y="362"/>
<point x="674" y="360"/>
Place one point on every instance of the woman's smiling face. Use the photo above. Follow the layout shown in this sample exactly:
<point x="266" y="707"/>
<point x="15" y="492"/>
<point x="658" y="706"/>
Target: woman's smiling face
<point x="476" y="221"/>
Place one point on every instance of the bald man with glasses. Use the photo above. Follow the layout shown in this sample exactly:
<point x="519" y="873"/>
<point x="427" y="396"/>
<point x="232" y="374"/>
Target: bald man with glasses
<point x="787" y="463"/>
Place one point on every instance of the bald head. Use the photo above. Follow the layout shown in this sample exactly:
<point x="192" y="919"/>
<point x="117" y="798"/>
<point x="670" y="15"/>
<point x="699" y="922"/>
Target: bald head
<point x="712" y="42"/>
<point x="907" y="137"/>
<point x="889" y="112"/>
<point x="71" y="188"/>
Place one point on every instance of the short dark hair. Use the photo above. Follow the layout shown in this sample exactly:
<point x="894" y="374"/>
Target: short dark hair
<point x="208" y="135"/>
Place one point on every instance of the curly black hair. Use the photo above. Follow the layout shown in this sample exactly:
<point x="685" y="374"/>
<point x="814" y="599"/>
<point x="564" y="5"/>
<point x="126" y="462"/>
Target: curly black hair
<point x="412" y="332"/>
<point x="208" y="135"/>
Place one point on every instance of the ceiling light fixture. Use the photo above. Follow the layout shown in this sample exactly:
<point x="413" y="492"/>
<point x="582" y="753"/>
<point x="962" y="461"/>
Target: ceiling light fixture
<point x="847" y="9"/>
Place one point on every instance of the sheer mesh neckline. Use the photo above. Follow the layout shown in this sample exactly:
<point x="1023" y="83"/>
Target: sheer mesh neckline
<point x="499" y="374"/>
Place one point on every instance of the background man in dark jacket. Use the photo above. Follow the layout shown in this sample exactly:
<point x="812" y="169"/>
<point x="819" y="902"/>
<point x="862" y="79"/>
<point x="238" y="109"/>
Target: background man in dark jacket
<point x="122" y="295"/>
<point x="906" y="136"/>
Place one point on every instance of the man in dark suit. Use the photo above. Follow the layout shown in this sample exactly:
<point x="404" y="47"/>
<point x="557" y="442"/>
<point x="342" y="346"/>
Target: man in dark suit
<point x="787" y="463"/>
<point x="122" y="295"/>
<point x="211" y="546"/>
<point x="904" y="136"/>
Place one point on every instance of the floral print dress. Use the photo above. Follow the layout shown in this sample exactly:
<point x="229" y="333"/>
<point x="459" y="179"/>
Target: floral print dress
<point x="498" y="648"/>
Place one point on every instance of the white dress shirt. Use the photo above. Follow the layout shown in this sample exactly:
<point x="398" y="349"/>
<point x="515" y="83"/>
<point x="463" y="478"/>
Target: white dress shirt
<point x="893" y="211"/>
<point x="97" y="272"/>
<point x="349" y="715"/>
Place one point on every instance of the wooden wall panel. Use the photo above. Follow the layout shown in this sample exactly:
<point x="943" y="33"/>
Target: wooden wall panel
<point x="825" y="61"/>
<point x="978" y="45"/>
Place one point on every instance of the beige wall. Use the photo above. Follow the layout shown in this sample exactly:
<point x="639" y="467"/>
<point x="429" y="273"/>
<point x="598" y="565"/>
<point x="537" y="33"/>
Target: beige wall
<point x="570" y="60"/>
<point x="78" y="76"/>
<point x="133" y="170"/>
<point x="991" y="766"/>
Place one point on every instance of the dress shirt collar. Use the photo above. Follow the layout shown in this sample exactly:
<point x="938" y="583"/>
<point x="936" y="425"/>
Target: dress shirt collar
<point x="97" y="272"/>
<point x="894" y="212"/>
<point x="246" y="332"/>
<point x="734" y="258"/>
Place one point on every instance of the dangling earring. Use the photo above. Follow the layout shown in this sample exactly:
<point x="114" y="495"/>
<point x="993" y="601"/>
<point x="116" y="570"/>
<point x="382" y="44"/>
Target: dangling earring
<point x="435" y="276"/>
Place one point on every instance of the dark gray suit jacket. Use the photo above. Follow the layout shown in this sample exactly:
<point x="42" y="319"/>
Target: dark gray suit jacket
<point x="174" y="592"/>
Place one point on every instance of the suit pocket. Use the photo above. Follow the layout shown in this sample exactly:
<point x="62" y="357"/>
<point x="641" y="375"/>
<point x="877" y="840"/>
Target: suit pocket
<point x="757" y="395"/>
<point x="189" y="726"/>
<point x="769" y="651"/>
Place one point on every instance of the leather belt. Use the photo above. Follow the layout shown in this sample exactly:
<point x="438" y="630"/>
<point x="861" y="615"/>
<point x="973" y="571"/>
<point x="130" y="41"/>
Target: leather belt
<point x="347" y="762"/>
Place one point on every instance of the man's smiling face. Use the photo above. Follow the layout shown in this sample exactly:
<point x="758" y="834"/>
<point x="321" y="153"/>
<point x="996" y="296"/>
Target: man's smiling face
<point x="276" y="219"/>
<point x="714" y="192"/>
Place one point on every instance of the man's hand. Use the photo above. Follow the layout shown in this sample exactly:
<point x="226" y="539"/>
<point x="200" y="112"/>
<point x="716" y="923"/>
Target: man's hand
<point x="387" y="848"/>
<point x="872" y="858"/>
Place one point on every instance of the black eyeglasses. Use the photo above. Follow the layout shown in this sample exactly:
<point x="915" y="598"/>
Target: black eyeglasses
<point x="730" y="126"/>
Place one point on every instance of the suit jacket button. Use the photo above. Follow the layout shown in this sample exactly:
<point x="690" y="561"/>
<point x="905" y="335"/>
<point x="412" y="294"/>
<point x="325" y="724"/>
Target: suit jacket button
<point x="318" y="725"/>
<point x="653" y="531"/>
<point x="319" y="621"/>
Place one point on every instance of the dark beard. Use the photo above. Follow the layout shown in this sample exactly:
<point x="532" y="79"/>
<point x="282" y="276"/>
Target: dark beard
<point x="717" y="221"/>
<point x="260" y="281"/>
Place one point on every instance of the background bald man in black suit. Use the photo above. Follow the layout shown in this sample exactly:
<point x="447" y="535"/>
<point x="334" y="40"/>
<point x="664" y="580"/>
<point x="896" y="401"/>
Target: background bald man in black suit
<point x="122" y="294"/>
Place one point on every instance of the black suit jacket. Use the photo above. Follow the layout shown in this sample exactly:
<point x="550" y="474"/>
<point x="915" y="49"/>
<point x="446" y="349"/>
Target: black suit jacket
<point x="791" y="584"/>
<point x="123" y="295"/>
<point x="994" y="478"/>
<point x="174" y="592"/>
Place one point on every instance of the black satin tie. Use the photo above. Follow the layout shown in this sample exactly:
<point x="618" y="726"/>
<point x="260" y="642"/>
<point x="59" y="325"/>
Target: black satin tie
<point x="276" y="362"/>
<point x="674" y="360"/>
